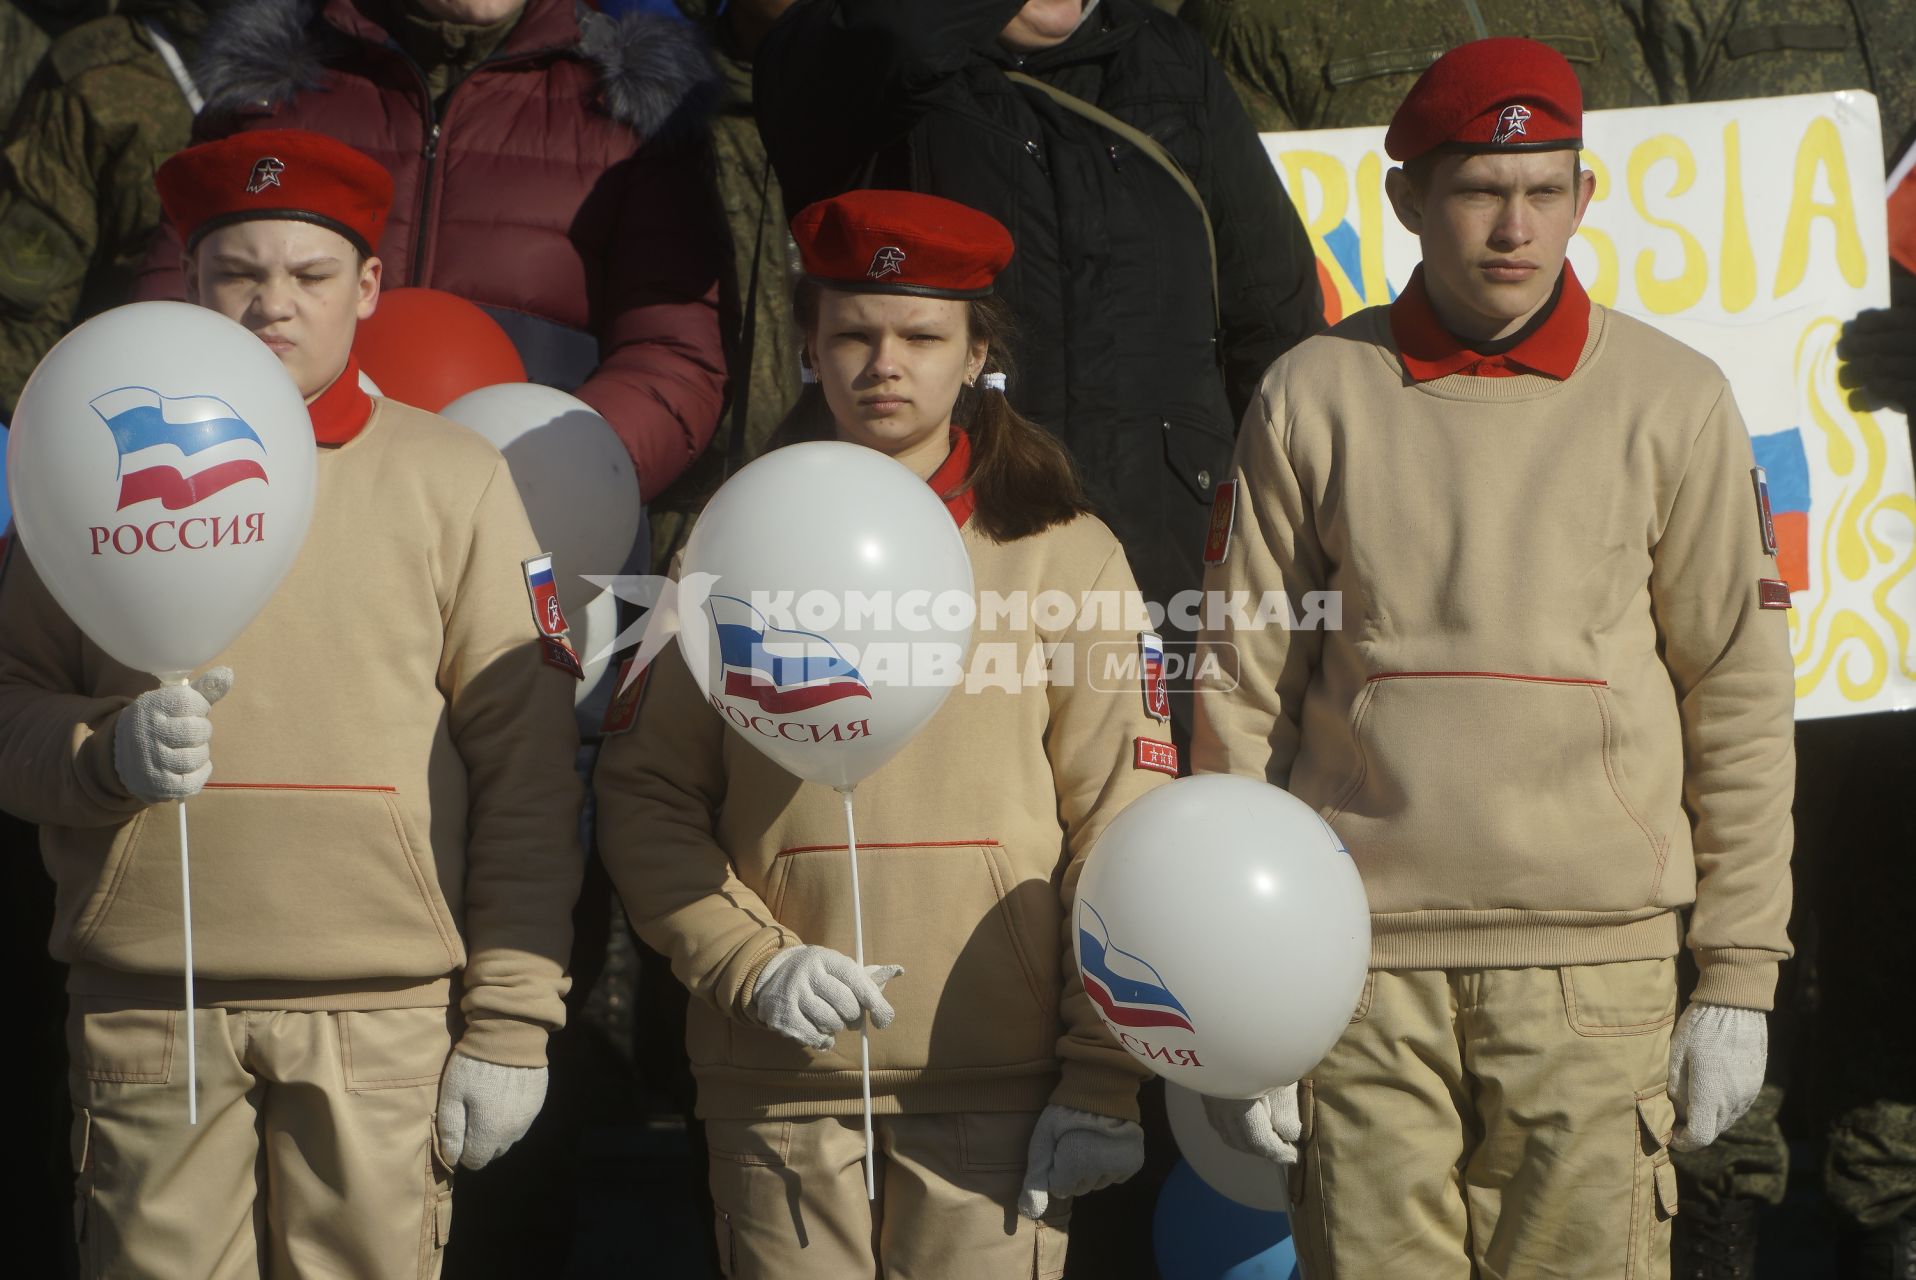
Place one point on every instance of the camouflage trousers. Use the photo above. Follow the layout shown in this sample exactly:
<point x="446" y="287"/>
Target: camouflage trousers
<point x="1748" y="1161"/>
<point x="1869" y="1171"/>
<point x="1870" y="1174"/>
<point x="1843" y="1036"/>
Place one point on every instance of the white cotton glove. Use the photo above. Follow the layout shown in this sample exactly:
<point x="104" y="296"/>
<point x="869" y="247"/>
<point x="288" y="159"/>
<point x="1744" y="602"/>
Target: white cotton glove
<point x="1717" y="1056"/>
<point x="485" y="1108"/>
<point x="810" y="994"/>
<point x="1266" y="1126"/>
<point x="160" y="745"/>
<point x="1074" y="1152"/>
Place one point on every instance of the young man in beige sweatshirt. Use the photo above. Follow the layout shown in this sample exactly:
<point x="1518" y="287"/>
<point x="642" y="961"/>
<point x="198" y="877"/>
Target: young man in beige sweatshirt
<point x="390" y="829"/>
<point x="1557" y="715"/>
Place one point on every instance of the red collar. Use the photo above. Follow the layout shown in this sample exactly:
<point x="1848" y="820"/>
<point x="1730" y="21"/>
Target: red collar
<point x="1430" y="351"/>
<point x="951" y="474"/>
<point x="341" y="411"/>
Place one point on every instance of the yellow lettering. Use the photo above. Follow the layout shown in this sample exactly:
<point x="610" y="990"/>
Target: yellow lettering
<point x="1685" y="289"/>
<point x="1603" y="289"/>
<point x="1327" y="174"/>
<point x="1821" y="148"/>
<point x="1737" y="283"/>
<point x="1370" y="228"/>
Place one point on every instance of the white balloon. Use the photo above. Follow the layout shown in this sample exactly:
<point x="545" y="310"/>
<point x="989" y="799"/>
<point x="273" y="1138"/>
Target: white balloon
<point x="794" y="543"/>
<point x="573" y="475"/>
<point x="1250" y="1180"/>
<point x="1223" y="933"/>
<point x="161" y="472"/>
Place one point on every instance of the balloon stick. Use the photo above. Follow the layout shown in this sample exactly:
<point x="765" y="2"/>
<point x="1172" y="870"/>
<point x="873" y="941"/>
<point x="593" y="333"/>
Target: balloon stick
<point x="186" y="913"/>
<point x="186" y="928"/>
<point x="864" y="1022"/>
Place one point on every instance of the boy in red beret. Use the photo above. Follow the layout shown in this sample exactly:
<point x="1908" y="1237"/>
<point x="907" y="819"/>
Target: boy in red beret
<point x="390" y="826"/>
<point x="1557" y="717"/>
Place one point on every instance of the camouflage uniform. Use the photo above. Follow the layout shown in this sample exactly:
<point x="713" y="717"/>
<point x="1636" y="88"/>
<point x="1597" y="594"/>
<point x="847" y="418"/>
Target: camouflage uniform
<point x="1856" y="822"/>
<point x="1299" y="64"/>
<point x="1719" y="50"/>
<point x="77" y="202"/>
<point x="755" y="290"/>
<point x="22" y="45"/>
<point x="27" y="31"/>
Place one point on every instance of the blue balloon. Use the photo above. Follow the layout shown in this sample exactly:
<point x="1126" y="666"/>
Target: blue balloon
<point x="1198" y="1234"/>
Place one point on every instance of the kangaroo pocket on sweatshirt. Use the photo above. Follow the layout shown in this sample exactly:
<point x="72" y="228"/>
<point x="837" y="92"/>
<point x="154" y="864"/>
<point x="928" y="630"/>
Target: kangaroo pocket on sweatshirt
<point x="1484" y="791"/>
<point x="301" y="883"/>
<point x="980" y="951"/>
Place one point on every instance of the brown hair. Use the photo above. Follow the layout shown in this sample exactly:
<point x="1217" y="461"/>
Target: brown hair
<point x="1021" y="479"/>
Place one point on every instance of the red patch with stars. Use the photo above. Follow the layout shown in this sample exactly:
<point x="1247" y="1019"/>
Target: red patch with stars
<point x="1160" y="757"/>
<point x="1772" y="593"/>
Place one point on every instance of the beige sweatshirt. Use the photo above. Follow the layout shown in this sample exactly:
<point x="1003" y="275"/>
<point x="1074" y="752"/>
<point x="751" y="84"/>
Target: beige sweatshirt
<point x="970" y="844"/>
<point x="394" y="802"/>
<point x="1557" y="711"/>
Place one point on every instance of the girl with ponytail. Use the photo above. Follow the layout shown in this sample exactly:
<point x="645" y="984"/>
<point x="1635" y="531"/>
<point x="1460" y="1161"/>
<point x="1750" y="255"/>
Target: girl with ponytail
<point x="998" y="1091"/>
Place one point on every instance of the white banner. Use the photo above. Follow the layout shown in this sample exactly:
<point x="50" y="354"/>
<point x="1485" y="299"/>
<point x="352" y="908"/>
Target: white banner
<point x="1751" y="231"/>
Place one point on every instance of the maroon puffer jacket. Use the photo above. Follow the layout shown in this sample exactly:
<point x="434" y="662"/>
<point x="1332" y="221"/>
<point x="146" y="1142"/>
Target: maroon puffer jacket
<point x="560" y="188"/>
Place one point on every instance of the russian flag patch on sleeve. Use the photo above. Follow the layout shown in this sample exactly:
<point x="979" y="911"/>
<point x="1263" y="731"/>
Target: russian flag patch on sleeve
<point x="544" y="590"/>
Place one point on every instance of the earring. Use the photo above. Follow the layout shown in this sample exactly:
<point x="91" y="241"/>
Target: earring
<point x="807" y="375"/>
<point x="994" y="381"/>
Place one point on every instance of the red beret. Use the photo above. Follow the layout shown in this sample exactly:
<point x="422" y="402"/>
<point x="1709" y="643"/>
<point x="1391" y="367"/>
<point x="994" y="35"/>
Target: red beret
<point x="276" y="173"/>
<point x="901" y="242"/>
<point x="1506" y="94"/>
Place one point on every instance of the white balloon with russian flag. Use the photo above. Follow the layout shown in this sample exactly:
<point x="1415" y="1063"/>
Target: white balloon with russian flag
<point x="825" y="607"/>
<point x="1222" y="932"/>
<point x="160" y="468"/>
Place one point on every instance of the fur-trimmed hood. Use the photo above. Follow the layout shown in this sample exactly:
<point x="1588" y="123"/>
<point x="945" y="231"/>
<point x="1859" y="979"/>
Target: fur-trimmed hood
<point x="655" y="75"/>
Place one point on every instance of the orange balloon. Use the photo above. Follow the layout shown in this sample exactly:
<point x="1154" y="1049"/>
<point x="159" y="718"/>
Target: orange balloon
<point x="426" y="348"/>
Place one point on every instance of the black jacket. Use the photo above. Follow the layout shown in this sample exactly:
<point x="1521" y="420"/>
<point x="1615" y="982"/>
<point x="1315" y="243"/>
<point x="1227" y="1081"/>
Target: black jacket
<point x="1111" y="281"/>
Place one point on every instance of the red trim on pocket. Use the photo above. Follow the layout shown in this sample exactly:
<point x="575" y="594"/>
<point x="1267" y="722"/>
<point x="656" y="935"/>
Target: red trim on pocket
<point x="295" y="786"/>
<point x="1485" y="675"/>
<point x="895" y="844"/>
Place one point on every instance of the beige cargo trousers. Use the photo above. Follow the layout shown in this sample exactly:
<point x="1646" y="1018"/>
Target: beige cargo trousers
<point x="314" y="1155"/>
<point x="790" y="1196"/>
<point x="1493" y="1124"/>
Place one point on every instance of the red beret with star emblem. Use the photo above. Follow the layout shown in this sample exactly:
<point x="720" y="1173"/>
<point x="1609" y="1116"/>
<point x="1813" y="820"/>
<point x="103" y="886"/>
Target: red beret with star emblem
<point x="901" y="242"/>
<point x="285" y="174"/>
<point x="1503" y="94"/>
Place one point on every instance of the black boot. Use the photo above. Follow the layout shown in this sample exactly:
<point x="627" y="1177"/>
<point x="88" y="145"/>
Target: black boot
<point x="1884" y="1253"/>
<point x="1714" y="1241"/>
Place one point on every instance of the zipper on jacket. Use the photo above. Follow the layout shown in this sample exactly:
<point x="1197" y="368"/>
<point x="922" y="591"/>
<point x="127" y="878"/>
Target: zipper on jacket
<point x="1036" y="152"/>
<point x="430" y="155"/>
